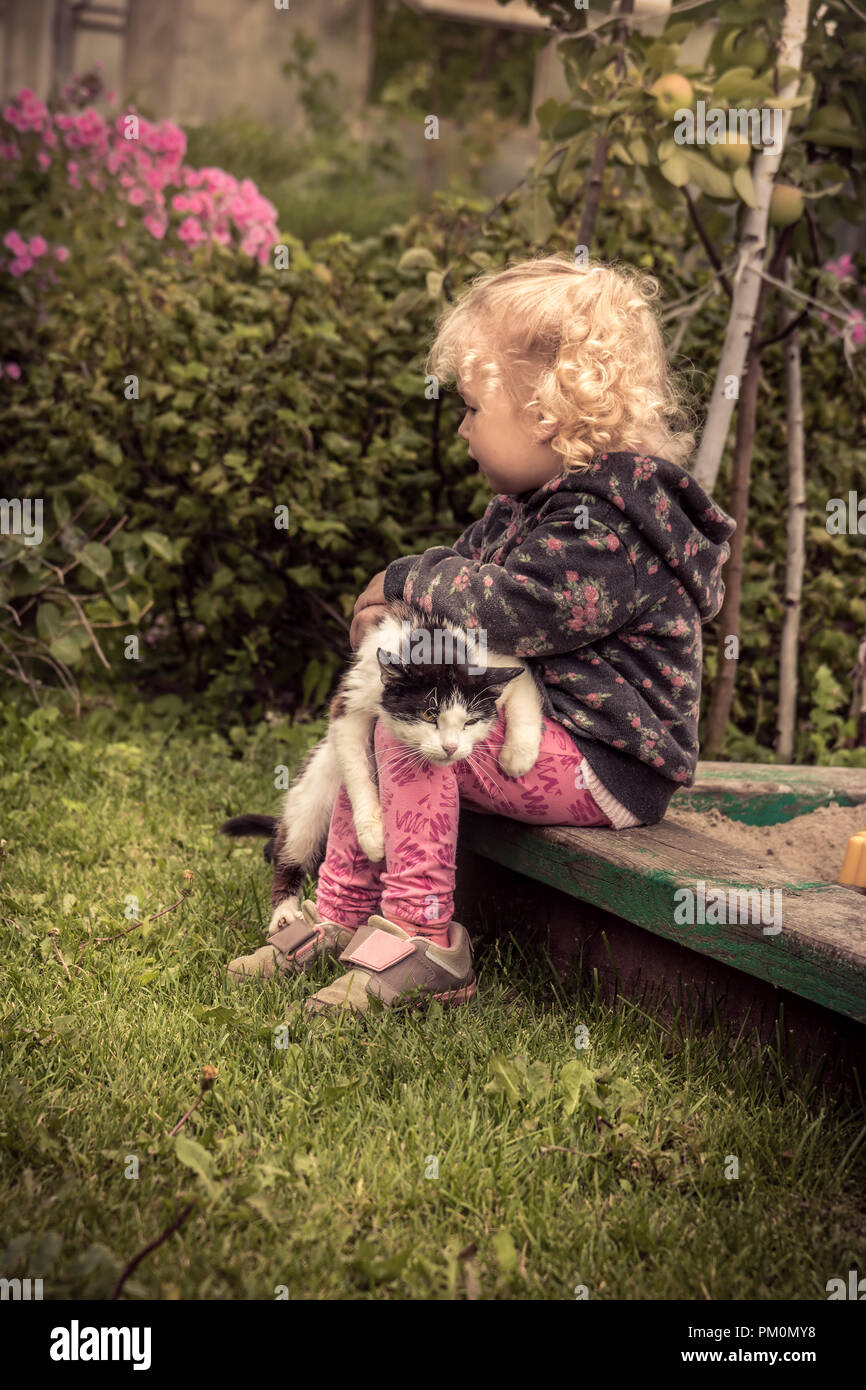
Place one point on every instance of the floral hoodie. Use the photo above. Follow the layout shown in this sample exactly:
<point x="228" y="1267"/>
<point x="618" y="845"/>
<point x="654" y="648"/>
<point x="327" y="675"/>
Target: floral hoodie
<point x="601" y="580"/>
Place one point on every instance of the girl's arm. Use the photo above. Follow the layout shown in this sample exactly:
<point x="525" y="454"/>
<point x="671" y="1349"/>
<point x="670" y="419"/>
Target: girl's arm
<point x="561" y="589"/>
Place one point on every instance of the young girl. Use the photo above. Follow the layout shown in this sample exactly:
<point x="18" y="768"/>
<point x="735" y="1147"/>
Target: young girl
<point x="598" y="558"/>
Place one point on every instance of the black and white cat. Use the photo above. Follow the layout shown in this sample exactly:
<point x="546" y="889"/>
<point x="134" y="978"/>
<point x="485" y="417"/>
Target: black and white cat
<point x="438" y="690"/>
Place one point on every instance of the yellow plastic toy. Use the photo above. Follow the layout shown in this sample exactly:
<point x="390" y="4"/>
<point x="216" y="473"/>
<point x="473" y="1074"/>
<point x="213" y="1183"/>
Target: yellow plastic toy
<point x="853" y="873"/>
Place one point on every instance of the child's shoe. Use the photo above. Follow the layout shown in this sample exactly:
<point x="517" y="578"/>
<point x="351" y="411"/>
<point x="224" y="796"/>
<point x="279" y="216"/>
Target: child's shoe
<point x="387" y="963"/>
<point x="294" y="948"/>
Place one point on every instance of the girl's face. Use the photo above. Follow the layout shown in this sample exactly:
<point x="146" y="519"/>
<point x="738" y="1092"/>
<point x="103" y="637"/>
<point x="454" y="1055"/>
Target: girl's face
<point x="500" y="441"/>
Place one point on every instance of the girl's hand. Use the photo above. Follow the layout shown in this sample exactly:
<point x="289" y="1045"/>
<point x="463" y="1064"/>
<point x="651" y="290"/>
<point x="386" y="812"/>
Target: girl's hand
<point x="363" y="619"/>
<point x="374" y="593"/>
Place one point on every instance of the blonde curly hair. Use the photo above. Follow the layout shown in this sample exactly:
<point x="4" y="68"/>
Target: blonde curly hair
<point x="581" y="344"/>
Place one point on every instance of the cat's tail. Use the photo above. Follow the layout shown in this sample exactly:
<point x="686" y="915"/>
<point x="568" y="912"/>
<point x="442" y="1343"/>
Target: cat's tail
<point x="299" y="837"/>
<point x="253" y="824"/>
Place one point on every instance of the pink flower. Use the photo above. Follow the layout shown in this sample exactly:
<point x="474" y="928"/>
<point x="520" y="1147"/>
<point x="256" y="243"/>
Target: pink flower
<point x="190" y="231"/>
<point x="61" y="253"/>
<point x="14" y="243"/>
<point x="842" y="269"/>
<point x="155" y="225"/>
<point x="43" y="160"/>
<point x="13" y="370"/>
<point x="20" y="265"/>
<point x="38" y="246"/>
<point x="553" y="543"/>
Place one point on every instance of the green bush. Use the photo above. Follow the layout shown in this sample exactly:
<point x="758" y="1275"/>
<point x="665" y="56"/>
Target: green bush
<point x="302" y="388"/>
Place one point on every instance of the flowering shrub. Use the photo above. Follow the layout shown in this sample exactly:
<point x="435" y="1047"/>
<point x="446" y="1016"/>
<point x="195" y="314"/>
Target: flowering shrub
<point x="129" y="162"/>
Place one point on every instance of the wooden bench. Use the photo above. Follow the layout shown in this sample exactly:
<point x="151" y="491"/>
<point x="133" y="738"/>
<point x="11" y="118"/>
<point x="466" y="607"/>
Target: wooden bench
<point x="624" y="926"/>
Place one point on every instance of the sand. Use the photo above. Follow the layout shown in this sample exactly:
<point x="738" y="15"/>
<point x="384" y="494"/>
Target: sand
<point x="813" y="845"/>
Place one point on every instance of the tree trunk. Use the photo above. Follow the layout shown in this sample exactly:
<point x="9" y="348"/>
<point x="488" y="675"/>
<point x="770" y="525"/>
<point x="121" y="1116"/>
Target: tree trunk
<point x="592" y="198"/>
<point x="747" y="278"/>
<point x="729" y="614"/>
<point x="796" y="548"/>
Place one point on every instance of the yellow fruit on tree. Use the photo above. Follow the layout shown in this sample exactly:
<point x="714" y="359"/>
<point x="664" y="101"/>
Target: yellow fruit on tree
<point x="786" y="205"/>
<point x="731" y="152"/>
<point x="671" y="92"/>
<point x="752" y="53"/>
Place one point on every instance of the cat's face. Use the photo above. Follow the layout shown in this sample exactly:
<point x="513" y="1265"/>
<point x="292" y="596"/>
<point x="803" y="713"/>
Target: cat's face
<point x="441" y="711"/>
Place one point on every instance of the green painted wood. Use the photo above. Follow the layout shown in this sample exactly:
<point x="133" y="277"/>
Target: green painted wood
<point x="768" y="793"/>
<point x="820" y="952"/>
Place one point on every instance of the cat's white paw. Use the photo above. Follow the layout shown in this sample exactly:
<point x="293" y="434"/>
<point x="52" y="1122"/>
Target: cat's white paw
<point x="519" y="757"/>
<point x="371" y="835"/>
<point x="284" y="913"/>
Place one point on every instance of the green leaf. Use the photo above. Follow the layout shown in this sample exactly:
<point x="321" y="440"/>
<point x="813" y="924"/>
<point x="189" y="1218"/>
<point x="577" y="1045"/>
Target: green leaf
<point x="535" y="218"/>
<point x="48" y="621"/>
<point x="572" y="123"/>
<point x="220" y="1014"/>
<point x="194" y="1156"/>
<point x="675" y="170"/>
<point x="416" y="258"/>
<point x="329" y="1094"/>
<point x="744" y="187"/>
<point x="505" y="1078"/>
<point x="263" y="1207"/>
<point x="66" y="649"/>
<point x="106" y="449"/>
<point x="547" y="115"/>
<point x="639" y="150"/>
<point x="159" y="544"/>
<point x="503" y="1249"/>
<point x="169" y="420"/>
<point x="62" y="509"/>
<point x="99" y="487"/>
<point x="708" y="176"/>
<point x="574" y="1078"/>
<point x="730" y="83"/>
<point x="96" y="558"/>
<point x="662" y="57"/>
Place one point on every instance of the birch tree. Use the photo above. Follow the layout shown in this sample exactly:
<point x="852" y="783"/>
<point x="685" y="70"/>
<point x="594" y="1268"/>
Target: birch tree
<point x="795" y="556"/>
<point x="750" y="260"/>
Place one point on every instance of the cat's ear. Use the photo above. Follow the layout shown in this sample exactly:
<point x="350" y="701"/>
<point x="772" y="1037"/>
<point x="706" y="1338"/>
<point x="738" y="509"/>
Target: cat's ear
<point x="390" y="665"/>
<point x="496" y="679"/>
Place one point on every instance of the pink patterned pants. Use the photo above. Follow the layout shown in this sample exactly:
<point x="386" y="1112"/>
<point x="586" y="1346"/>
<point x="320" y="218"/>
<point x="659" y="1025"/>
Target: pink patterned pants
<point x="420" y="811"/>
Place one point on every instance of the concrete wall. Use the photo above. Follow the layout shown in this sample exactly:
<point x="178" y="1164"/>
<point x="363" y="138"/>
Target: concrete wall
<point x="196" y="60"/>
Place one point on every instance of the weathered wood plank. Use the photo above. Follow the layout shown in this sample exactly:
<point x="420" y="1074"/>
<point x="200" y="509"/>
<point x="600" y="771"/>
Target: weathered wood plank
<point x="767" y="793"/>
<point x="819" y="953"/>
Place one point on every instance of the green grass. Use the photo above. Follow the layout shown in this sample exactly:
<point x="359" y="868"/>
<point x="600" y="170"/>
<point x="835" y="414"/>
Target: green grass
<point x="317" y="1154"/>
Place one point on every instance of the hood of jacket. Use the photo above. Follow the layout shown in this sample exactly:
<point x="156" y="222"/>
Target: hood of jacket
<point x="665" y="504"/>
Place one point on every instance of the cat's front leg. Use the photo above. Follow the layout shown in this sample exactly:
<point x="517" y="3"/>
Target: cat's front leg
<point x="351" y="738"/>
<point x="521" y="703"/>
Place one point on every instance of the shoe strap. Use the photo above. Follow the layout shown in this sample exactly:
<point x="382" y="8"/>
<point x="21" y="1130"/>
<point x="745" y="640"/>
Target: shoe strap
<point x="378" y="951"/>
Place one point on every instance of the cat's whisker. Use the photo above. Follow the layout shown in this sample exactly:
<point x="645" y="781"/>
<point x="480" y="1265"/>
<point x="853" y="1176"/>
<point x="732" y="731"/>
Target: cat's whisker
<point x="474" y="763"/>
